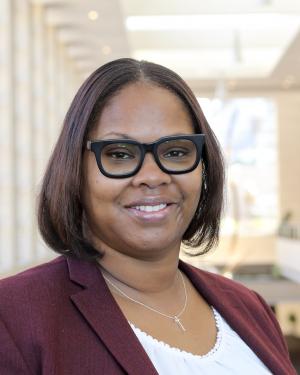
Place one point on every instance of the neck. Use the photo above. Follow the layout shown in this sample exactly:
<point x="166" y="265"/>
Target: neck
<point x="149" y="277"/>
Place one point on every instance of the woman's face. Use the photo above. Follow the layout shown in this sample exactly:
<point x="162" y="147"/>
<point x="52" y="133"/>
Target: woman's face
<point x="145" y="113"/>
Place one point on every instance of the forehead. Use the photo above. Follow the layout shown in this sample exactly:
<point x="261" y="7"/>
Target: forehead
<point x="144" y="111"/>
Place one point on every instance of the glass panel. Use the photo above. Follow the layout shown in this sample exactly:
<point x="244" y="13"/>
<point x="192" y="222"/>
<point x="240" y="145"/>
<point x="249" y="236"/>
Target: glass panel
<point x="119" y="158"/>
<point x="179" y="154"/>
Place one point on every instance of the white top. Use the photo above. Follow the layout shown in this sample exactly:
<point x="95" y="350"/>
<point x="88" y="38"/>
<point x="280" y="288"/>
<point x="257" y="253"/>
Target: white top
<point x="230" y="355"/>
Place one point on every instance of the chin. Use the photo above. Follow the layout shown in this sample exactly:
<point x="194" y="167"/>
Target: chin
<point x="154" y="247"/>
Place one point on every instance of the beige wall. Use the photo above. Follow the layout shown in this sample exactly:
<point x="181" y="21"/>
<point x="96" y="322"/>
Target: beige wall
<point x="289" y="152"/>
<point x="289" y="183"/>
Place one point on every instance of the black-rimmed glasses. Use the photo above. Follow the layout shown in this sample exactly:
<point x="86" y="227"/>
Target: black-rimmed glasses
<point x="121" y="158"/>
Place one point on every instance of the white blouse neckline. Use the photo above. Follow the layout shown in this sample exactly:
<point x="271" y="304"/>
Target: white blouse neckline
<point x="230" y="354"/>
<point x="172" y="349"/>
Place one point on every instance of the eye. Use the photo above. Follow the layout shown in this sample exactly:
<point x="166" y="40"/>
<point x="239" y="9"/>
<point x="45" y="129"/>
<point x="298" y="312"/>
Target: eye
<point x="119" y="154"/>
<point x="176" y="153"/>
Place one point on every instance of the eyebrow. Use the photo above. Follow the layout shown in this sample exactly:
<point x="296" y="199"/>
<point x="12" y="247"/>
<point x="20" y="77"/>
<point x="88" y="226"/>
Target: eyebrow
<point x="122" y="135"/>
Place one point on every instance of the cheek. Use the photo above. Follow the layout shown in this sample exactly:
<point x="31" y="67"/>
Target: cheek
<point x="100" y="191"/>
<point x="96" y="187"/>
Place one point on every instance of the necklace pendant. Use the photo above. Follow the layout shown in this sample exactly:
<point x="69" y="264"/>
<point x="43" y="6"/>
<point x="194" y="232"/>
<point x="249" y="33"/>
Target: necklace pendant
<point x="178" y="322"/>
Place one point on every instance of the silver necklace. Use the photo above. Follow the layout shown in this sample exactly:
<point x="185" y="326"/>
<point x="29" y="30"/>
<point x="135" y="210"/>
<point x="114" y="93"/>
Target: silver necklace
<point x="175" y="318"/>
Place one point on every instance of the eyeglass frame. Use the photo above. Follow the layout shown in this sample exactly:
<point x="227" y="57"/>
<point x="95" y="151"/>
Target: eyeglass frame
<point x="96" y="147"/>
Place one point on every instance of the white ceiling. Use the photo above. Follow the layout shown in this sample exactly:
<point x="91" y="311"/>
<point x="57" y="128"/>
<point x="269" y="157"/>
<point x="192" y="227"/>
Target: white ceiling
<point x="248" y="44"/>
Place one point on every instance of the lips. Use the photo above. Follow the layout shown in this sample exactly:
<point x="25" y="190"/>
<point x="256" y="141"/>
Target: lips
<point x="151" y="209"/>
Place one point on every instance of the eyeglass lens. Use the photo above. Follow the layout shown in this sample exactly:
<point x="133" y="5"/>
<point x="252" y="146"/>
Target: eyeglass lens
<point x="174" y="155"/>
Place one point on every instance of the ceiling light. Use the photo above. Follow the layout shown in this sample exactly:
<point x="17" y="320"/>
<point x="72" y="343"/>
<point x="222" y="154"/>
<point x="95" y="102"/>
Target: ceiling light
<point x="93" y="15"/>
<point x="106" y="50"/>
<point x="265" y="2"/>
<point x="249" y="21"/>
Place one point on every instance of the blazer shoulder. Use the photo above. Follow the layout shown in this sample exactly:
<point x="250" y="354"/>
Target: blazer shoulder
<point x="215" y="285"/>
<point x="34" y="277"/>
<point x="217" y="280"/>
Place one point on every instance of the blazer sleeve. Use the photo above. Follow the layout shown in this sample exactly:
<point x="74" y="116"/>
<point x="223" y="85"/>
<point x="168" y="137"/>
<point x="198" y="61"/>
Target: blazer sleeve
<point x="11" y="359"/>
<point x="276" y="325"/>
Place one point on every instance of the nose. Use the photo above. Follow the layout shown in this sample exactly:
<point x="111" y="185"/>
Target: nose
<point x="150" y="174"/>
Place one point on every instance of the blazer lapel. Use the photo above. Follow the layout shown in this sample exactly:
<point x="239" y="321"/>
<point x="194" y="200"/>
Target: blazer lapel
<point x="99" y="308"/>
<point x="237" y="314"/>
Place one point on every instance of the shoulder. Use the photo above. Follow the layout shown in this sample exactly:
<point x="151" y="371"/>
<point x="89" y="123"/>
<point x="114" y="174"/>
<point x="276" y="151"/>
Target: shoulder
<point x="237" y="293"/>
<point x="230" y="296"/>
<point x="32" y="301"/>
<point x="39" y="271"/>
<point x="42" y="277"/>
<point x="216" y="283"/>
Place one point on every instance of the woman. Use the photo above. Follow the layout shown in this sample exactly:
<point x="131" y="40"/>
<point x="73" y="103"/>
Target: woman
<point x="136" y="171"/>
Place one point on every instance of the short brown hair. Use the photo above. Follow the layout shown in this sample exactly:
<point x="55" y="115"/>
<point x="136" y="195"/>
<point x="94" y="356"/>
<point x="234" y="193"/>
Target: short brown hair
<point x="60" y="211"/>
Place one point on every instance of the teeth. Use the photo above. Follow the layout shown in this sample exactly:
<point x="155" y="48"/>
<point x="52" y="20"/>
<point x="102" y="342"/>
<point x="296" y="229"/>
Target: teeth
<point x="151" y="208"/>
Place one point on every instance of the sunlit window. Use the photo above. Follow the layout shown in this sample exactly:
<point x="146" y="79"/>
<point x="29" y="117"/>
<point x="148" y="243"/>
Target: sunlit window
<point x="246" y="129"/>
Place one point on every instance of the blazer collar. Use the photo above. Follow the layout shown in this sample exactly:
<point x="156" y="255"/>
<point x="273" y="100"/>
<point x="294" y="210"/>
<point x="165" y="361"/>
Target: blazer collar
<point x="103" y="314"/>
<point x="114" y="331"/>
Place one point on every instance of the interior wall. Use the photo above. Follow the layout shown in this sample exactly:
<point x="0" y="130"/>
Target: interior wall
<point x="289" y="153"/>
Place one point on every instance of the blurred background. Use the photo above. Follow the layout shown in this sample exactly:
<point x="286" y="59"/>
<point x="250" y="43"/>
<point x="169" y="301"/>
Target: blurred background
<point x="242" y="60"/>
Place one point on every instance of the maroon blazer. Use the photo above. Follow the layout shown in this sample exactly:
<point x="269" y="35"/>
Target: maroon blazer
<point x="59" y="318"/>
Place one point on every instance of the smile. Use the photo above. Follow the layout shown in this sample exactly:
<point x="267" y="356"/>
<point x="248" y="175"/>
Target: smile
<point x="155" y="208"/>
<point x="151" y="213"/>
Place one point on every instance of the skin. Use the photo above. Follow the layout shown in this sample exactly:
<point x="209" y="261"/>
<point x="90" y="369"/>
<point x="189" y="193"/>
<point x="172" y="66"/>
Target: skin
<point x="148" y="246"/>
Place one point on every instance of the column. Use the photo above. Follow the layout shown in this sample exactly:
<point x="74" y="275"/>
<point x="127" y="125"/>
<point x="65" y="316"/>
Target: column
<point x="40" y="114"/>
<point x="8" y="220"/>
<point x="24" y="198"/>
